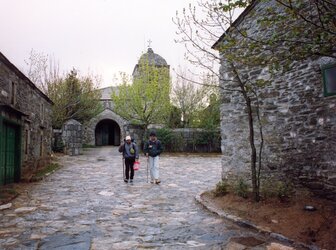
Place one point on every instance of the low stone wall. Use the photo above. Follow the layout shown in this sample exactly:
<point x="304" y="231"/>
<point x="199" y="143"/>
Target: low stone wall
<point x="191" y="140"/>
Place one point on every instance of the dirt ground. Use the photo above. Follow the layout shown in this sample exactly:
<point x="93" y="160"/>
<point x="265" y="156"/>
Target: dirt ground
<point x="288" y="218"/>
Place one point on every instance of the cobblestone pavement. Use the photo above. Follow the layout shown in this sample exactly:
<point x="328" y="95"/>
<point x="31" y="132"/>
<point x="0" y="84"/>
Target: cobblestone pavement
<point x="87" y="205"/>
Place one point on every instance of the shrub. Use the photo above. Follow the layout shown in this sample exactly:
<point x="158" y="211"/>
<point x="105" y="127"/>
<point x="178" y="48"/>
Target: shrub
<point x="222" y="188"/>
<point x="241" y="188"/>
<point x="170" y="141"/>
<point x="284" y="190"/>
<point x="275" y="188"/>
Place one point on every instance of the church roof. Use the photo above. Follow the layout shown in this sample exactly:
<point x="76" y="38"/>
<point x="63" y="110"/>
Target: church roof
<point x="152" y="58"/>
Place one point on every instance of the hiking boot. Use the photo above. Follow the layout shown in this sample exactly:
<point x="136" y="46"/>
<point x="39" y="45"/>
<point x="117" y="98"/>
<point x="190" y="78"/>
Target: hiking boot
<point x="157" y="181"/>
<point x="125" y="180"/>
<point x="131" y="181"/>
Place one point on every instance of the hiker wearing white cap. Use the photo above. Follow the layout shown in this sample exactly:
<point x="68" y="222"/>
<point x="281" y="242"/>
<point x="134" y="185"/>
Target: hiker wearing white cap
<point x="130" y="154"/>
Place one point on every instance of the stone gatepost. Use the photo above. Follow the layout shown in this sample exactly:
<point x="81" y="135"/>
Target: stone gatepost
<point x="72" y="137"/>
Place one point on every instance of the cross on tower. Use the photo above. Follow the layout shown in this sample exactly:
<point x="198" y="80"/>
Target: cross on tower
<point x="149" y="43"/>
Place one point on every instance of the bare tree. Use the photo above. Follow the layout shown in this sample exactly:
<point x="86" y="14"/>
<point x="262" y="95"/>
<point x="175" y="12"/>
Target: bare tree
<point x="305" y="28"/>
<point x="198" y="31"/>
<point x="43" y="70"/>
<point x="188" y="97"/>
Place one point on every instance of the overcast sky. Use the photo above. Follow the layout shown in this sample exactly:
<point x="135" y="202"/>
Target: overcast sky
<point x="101" y="36"/>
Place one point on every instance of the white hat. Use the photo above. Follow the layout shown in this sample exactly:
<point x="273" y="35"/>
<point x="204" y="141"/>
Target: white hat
<point x="128" y="138"/>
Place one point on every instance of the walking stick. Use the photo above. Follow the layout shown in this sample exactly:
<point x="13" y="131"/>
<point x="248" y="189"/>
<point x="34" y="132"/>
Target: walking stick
<point x="123" y="163"/>
<point x="147" y="167"/>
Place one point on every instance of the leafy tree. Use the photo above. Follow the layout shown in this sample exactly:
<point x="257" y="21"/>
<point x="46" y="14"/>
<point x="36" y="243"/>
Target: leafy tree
<point x="146" y="100"/>
<point x="74" y="98"/>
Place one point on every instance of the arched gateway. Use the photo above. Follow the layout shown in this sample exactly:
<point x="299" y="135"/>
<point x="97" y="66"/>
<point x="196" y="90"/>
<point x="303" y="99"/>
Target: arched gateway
<point x="107" y="132"/>
<point x="107" y="128"/>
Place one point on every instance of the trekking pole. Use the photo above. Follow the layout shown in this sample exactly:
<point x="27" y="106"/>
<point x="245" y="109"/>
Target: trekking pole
<point x="147" y="167"/>
<point x="123" y="163"/>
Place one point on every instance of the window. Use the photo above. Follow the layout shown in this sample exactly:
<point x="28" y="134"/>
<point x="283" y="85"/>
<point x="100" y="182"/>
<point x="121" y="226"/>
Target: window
<point x="329" y="79"/>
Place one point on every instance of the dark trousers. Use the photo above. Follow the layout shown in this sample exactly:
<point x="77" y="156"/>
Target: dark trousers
<point x="129" y="162"/>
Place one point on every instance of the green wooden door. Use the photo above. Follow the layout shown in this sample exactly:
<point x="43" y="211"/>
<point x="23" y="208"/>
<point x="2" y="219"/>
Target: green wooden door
<point x="9" y="154"/>
<point x="2" y="155"/>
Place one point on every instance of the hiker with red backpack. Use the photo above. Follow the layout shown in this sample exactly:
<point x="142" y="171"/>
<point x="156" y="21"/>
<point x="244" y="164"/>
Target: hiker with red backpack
<point x="130" y="155"/>
<point x="153" y="149"/>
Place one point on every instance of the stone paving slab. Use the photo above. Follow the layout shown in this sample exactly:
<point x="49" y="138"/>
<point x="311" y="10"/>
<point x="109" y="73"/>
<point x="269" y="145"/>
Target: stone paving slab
<point x="87" y="205"/>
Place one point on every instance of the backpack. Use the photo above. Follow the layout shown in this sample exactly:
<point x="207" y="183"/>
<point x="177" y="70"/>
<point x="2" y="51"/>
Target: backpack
<point x="132" y="148"/>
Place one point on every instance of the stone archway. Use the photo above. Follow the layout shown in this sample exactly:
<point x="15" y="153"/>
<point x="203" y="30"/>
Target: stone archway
<point x="107" y="132"/>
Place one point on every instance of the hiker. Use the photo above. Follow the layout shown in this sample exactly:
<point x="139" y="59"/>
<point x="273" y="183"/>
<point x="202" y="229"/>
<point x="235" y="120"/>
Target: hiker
<point x="152" y="150"/>
<point x="130" y="155"/>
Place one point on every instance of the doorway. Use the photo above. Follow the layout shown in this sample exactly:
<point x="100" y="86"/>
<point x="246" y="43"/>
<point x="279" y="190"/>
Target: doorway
<point x="107" y="132"/>
<point x="10" y="154"/>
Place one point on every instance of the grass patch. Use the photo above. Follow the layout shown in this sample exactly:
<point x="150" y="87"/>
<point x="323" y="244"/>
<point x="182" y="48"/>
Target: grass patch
<point x="48" y="169"/>
<point x="88" y="146"/>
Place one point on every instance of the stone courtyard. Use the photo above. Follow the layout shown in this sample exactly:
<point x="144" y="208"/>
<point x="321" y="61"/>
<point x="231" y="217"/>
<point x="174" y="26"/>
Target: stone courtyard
<point x="86" y="205"/>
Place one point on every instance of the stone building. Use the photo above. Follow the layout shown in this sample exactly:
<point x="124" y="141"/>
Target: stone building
<point x="25" y="124"/>
<point x="298" y="113"/>
<point x="108" y="127"/>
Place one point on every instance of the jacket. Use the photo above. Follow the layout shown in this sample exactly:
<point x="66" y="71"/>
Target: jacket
<point x="153" y="148"/>
<point x="129" y="151"/>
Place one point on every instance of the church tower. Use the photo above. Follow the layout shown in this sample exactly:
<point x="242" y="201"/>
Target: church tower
<point x="150" y="59"/>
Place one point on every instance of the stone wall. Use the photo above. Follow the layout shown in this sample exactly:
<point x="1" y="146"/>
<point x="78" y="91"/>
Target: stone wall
<point x="25" y="106"/>
<point x="196" y="140"/>
<point x="298" y="121"/>
<point x="72" y="137"/>
<point x="189" y="140"/>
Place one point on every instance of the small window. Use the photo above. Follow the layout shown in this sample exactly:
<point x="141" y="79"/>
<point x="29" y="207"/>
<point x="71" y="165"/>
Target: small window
<point x="329" y="79"/>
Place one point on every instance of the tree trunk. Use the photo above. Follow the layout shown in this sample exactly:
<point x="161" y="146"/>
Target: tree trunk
<point x="255" y="186"/>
